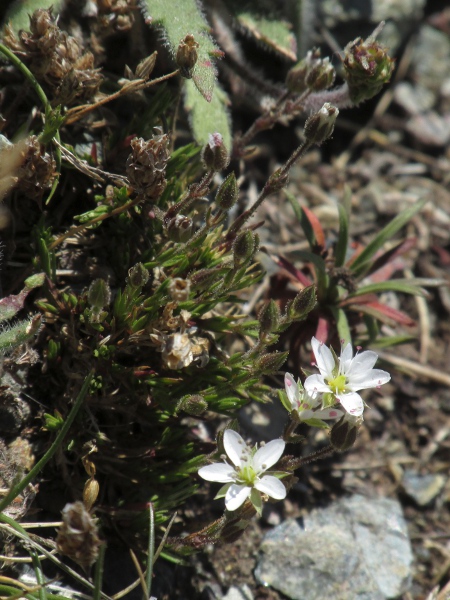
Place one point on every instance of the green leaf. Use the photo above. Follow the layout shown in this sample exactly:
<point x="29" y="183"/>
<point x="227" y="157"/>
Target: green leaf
<point x="207" y="118"/>
<point x="406" y="286"/>
<point x="342" y="324"/>
<point x="363" y="262"/>
<point x="179" y="18"/>
<point x="271" y="30"/>
<point x="344" y="216"/>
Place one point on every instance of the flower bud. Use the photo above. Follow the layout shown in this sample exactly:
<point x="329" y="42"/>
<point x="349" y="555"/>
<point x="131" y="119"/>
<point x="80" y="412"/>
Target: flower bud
<point x="244" y="247"/>
<point x="179" y="289"/>
<point x="296" y="77"/>
<point x="204" y="278"/>
<point x="367" y="67"/>
<point x="138" y="276"/>
<point x="215" y="155"/>
<point x="193" y="405"/>
<point x="320" y="126"/>
<point x="179" y="228"/>
<point x="187" y="55"/>
<point x="321" y="76"/>
<point x="90" y="492"/>
<point x="303" y="303"/>
<point x="269" y="317"/>
<point x="277" y="181"/>
<point x="99" y="294"/>
<point x="270" y="363"/>
<point x="343" y="433"/>
<point x="227" y="193"/>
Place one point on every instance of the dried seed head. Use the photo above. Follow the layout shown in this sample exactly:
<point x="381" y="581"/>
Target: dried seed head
<point x="215" y="154"/>
<point x="37" y="171"/>
<point x="56" y="59"/>
<point x="187" y="55"/>
<point x="320" y="126"/>
<point x="177" y="351"/>
<point x="146" y="165"/>
<point x="179" y="289"/>
<point x="78" y="535"/>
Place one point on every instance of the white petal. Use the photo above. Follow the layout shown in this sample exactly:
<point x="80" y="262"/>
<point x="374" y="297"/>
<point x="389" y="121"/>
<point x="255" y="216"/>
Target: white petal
<point x="352" y="403"/>
<point x="268" y="455"/>
<point x="236" y="495"/>
<point x="218" y="472"/>
<point x="328" y="413"/>
<point x="271" y="486"/>
<point x="316" y="383"/>
<point x="372" y="379"/>
<point x="324" y="357"/>
<point x="362" y="363"/>
<point x="291" y="390"/>
<point x="346" y="357"/>
<point x="234" y="446"/>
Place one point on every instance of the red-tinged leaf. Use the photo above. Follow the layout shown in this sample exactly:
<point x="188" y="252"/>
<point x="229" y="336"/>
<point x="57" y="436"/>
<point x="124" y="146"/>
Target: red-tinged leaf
<point x="316" y="227"/>
<point x="323" y="329"/>
<point x="383" y="313"/>
<point x="296" y="274"/>
<point x="11" y="305"/>
<point x="388" y="259"/>
<point x="443" y="254"/>
<point x="357" y="249"/>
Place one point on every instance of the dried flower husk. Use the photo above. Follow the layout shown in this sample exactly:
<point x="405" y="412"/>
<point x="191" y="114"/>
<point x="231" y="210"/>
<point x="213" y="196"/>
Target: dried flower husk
<point x="146" y="165"/>
<point x="37" y="171"/>
<point x="78" y="535"/>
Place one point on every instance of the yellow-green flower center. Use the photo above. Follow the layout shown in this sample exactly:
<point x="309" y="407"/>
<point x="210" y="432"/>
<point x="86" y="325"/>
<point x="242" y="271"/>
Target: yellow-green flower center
<point x="247" y="475"/>
<point x="337" y="384"/>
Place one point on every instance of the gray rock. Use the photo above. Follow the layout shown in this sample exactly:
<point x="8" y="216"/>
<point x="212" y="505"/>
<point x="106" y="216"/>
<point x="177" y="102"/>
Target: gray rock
<point x="423" y="489"/>
<point x="241" y="592"/>
<point x="356" y="549"/>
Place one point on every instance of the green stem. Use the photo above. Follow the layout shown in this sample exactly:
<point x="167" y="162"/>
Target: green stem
<point x="98" y="577"/>
<point x="21" y="485"/>
<point x="151" y="549"/>
<point x="40" y="579"/>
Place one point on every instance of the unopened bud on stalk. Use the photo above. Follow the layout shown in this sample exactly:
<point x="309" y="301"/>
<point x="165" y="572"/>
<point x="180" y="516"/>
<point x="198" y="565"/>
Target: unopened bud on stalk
<point x="321" y="76"/>
<point x="343" y="433"/>
<point x="215" y="155"/>
<point x="320" y="126"/>
<point x="244" y="247"/>
<point x="138" y="275"/>
<point x="179" y="229"/>
<point x="227" y="193"/>
<point x="270" y="363"/>
<point x="303" y="303"/>
<point x="296" y="77"/>
<point x="193" y="405"/>
<point x="99" y="294"/>
<point x="187" y="55"/>
<point x="269" y="317"/>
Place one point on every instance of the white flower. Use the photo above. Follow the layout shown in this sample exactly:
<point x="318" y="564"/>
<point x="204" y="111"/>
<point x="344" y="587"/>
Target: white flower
<point x="306" y="403"/>
<point x="244" y="475"/>
<point x="344" y="380"/>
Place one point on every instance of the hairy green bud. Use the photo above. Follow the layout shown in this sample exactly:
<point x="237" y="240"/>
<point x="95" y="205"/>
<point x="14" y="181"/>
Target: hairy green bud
<point x="193" y="405"/>
<point x="99" y="294"/>
<point x="303" y="303"/>
<point x="215" y="155"/>
<point x="269" y="317"/>
<point x="343" y="434"/>
<point x="138" y="275"/>
<point x="228" y="192"/>
<point x="244" y="247"/>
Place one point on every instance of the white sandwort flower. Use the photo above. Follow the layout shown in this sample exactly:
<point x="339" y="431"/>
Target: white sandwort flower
<point x="306" y="403"/>
<point x="246" y="473"/>
<point x="343" y="381"/>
